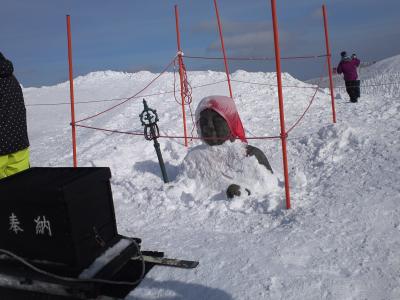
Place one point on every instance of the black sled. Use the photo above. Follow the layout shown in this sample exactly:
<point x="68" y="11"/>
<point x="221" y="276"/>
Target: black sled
<point x="59" y="239"/>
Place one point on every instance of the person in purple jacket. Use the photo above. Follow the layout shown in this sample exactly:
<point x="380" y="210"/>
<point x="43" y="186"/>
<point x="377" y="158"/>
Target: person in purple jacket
<point x="348" y="66"/>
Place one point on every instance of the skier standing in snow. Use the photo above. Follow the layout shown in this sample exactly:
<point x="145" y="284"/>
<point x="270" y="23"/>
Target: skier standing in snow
<point x="348" y="66"/>
<point x="217" y="121"/>
<point x="14" y="142"/>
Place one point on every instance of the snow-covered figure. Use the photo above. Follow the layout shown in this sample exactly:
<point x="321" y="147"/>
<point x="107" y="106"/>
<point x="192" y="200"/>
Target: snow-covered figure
<point x="217" y="121"/>
<point x="14" y="143"/>
<point x="348" y="66"/>
<point x="224" y="166"/>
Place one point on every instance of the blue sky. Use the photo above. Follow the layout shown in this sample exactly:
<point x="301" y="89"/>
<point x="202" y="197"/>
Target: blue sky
<point x="133" y="35"/>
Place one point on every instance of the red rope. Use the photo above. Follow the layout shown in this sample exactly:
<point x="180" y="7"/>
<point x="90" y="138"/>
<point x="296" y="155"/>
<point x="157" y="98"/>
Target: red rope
<point x="168" y="136"/>
<point x="268" y="84"/>
<point x="176" y="100"/>
<point x="366" y="85"/>
<point x="195" y="87"/>
<point x="112" y="107"/>
<point x="120" y="99"/>
<point x="263" y="137"/>
<point x="187" y="88"/>
<point x="187" y="93"/>
<point x="308" y="107"/>
<point x="98" y="101"/>
<point x="109" y="130"/>
<point x="302" y="116"/>
<point x="207" y="84"/>
<point x="256" y="58"/>
<point x="188" y="100"/>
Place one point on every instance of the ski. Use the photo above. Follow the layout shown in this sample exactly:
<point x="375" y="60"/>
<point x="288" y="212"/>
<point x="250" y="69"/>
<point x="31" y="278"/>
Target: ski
<point x="169" y="262"/>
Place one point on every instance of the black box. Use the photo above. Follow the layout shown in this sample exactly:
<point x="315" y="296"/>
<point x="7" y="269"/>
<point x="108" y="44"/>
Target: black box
<point x="60" y="215"/>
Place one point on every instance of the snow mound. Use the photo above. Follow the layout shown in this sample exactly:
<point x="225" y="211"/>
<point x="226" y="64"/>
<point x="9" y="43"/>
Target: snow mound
<point x="331" y="143"/>
<point x="206" y="172"/>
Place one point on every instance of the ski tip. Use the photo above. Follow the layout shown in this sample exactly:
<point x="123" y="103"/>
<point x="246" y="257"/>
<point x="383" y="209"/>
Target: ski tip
<point x="170" y="262"/>
<point x="192" y="264"/>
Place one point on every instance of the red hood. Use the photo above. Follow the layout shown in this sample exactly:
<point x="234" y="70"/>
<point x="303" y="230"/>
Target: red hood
<point x="226" y="107"/>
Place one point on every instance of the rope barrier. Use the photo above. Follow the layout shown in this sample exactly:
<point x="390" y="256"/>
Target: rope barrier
<point x="188" y="100"/>
<point x="121" y="99"/>
<point x="98" y="101"/>
<point x="132" y="97"/>
<point x="263" y="137"/>
<point x="187" y="95"/>
<point x="268" y="84"/>
<point x="367" y="85"/>
<point x="187" y="92"/>
<point x="304" y="113"/>
<point x="199" y="86"/>
<point x="109" y="130"/>
<point x="198" y="138"/>
<point x="207" y="84"/>
<point x="187" y="89"/>
<point x="169" y="136"/>
<point x="308" y="107"/>
<point x="255" y="58"/>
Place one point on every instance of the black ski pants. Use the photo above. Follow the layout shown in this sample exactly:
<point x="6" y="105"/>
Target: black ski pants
<point x="353" y="89"/>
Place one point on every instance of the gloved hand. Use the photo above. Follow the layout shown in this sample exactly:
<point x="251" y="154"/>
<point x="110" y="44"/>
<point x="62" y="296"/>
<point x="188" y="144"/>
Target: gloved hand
<point x="234" y="190"/>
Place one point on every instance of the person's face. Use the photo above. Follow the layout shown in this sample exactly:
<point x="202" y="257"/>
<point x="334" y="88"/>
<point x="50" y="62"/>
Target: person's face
<point x="214" y="128"/>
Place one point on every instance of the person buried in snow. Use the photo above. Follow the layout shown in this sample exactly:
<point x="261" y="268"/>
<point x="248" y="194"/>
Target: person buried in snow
<point x="218" y="121"/>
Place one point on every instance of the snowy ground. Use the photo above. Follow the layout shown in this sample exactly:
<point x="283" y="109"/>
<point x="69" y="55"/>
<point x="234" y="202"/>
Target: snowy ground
<point x="340" y="240"/>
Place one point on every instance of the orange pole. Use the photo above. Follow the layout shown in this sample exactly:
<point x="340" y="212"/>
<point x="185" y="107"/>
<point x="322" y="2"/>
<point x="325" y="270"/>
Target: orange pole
<point x="178" y="40"/>
<point x="280" y="95"/>
<point x="223" y="48"/>
<point x="328" y="58"/>
<point x="71" y="91"/>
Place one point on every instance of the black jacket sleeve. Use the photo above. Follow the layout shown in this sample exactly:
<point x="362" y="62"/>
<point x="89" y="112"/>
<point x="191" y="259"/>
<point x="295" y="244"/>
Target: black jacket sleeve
<point x="13" y="127"/>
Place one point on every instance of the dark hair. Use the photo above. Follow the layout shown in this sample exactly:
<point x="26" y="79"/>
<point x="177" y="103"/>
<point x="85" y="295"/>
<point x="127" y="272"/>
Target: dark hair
<point x="2" y="56"/>
<point x="343" y="53"/>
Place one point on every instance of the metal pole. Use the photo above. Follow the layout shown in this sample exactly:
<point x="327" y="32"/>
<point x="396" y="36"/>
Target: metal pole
<point x="223" y="49"/>
<point x="161" y="161"/>
<point x="280" y="95"/>
<point x="71" y="91"/>
<point x="178" y="40"/>
<point x="328" y="58"/>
